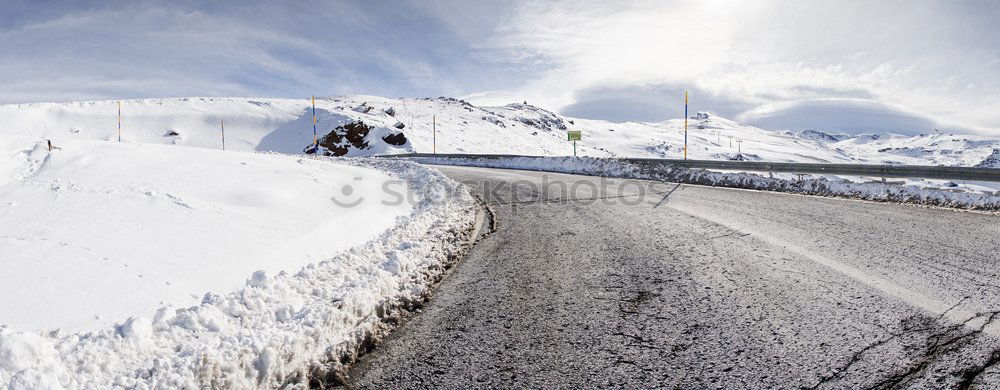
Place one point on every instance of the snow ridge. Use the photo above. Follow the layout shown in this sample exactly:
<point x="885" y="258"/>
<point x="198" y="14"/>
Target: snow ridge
<point x="282" y="330"/>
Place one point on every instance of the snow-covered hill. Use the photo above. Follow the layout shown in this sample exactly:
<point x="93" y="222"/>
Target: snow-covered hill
<point x="136" y="265"/>
<point x="285" y="125"/>
<point x="166" y="224"/>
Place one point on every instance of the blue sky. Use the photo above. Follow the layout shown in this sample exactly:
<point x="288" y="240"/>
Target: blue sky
<point x="897" y="63"/>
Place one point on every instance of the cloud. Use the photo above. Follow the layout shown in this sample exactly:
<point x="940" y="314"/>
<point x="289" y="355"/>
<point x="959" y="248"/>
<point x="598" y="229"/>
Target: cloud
<point x="851" y="116"/>
<point x="648" y="103"/>
<point x="937" y="57"/>
<point x="591" y="58"/>
<point x="122" y="49"/>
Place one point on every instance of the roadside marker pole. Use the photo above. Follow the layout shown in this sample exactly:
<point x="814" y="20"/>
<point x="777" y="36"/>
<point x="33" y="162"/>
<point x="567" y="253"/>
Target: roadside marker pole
<point x="223" y="125"/>
<point x="434" y="129"/>
<point x="119" y="121"/>
<point x="315" y="138"/>
<point x="685" y="125"/>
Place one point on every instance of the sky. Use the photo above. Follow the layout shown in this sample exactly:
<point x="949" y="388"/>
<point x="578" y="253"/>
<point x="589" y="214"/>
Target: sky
<point x="849" y="65"/>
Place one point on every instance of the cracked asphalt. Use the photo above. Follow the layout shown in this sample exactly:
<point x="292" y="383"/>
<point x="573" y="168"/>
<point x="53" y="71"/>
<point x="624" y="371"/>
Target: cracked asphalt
<point x="647" y="284"/>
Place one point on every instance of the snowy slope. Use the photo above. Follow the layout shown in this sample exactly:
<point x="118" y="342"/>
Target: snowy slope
<point x="285" y="125"/>
<point x="85" y="224"/>
<point x="130" y="265"/>
<point x="923" y="149"/>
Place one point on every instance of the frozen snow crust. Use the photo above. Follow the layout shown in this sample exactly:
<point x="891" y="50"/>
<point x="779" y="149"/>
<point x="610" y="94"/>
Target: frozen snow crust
<point x="280" y="330"/>
<point x="822" y="187"/>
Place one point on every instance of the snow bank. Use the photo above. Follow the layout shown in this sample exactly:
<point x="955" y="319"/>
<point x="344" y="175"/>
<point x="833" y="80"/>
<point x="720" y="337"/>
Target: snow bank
<point x="95" y="232"/>
<point x="316" y="281"/>
<point x="822" y="186"/>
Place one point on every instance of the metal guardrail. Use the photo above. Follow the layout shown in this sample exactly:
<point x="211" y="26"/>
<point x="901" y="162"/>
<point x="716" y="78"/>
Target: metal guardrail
<point x="873" y="170"/>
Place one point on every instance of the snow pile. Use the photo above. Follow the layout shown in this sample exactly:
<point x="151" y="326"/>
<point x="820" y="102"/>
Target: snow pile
<point x="823" y="187"/>
<point x="266" y="270"/>
<point x="92" y="219"/>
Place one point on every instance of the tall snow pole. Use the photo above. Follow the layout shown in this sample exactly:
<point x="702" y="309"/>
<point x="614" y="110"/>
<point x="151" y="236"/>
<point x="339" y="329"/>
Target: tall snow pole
<point x="434" y="129"/>
<point x="315" y="137"/>
<point x="223" y="125"/>
<point x="685" y="125"/>
<point x="119" y="121"/>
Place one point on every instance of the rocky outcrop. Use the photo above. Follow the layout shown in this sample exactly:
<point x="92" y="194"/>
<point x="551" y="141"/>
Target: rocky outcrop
<point x="357" y="136"/>
<point x="991" y="161"/>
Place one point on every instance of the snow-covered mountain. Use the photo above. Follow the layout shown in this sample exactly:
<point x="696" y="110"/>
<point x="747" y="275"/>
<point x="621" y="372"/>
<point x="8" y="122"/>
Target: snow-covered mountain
<point x="364" y="125"/>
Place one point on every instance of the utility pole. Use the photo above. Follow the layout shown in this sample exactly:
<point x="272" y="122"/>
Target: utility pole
<point x="315" y="137"/>
<point x="730" y="142"/>
<point x="685" y="125"/>
<point x="223" y="125"/>
<point x="119" y="121"/>
<point x="739" y="150"/>
<point x="434" y="130"/>
<point x="406" y="112"/>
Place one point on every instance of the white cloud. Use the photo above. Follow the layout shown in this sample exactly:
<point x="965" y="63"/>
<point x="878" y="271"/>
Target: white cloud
<point x="615" y="60"/>
<point x="933" y="57"/>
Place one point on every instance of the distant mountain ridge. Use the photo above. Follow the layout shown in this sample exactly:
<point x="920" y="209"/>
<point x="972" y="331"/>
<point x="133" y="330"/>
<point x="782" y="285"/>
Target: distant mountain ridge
<point x="405" y="125"/>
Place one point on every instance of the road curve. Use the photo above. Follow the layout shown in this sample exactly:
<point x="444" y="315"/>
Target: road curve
<point x="593" y="282"/>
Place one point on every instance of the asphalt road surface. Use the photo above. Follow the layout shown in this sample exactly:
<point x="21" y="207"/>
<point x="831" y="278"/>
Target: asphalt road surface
<point x="646" y="284"/>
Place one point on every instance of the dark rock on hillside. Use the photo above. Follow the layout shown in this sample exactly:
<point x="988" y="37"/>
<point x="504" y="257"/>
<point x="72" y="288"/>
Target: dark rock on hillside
<point x="494" y="120"/>
<point x="395" y="139"/>
<point x="547" y="120"/>
<point x="991" y="161"/>
<point x="819" y="136"/>
<point x="742" y="157"/>
<point x="338" y="141"/>
<point x="543" y="123"/>
<point x="399" y="125"/>
<point x="363" y="108"/>
<point x="390" y="111"/>
<point x="354" y="135"/>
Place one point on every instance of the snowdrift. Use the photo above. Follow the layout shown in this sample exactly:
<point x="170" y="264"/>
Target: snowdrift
<point x="140" y="265"/>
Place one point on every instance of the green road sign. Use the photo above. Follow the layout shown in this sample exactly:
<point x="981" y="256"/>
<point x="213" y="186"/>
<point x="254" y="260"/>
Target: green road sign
<point x="573" y="135"/>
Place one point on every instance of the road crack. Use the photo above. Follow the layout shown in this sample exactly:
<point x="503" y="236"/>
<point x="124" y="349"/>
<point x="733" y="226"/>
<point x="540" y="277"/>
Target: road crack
<point x="933" y="342"/>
